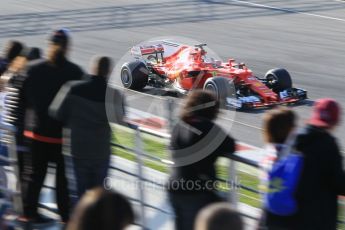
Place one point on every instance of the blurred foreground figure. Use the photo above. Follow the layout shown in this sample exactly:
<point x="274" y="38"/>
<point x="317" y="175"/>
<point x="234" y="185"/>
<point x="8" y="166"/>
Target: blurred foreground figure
<point x="81" y="106"/>
<point x="218" y="216"/>
<point x="101" y="209"/>
<point x="12" y="113"/>
<point x="278" y="125"/>
<point x="12" y="50"/>
<point x="196" y="143"/>
<point x="43" y="81"/>
<point x="323" y="176"/>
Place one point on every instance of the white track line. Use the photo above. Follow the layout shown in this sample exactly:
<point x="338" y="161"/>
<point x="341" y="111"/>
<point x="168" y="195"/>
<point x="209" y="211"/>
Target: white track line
<point x="289" y="10"/>
<point x="137" y="92"/>
<point x="241" y="123"/>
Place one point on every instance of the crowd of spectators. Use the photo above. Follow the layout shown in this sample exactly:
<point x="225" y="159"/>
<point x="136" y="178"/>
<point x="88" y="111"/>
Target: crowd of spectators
<point x="48" y="99"/>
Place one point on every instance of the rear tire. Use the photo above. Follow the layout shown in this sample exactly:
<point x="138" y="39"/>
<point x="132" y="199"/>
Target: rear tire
<point x="221" y="87"/>
<point x="278" y="79"/>
<point x="134" y="75"/>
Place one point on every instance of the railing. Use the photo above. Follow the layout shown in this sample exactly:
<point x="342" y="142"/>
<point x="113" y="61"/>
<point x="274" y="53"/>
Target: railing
<point x="140" y="155"/>
<point x="138" y="151"/>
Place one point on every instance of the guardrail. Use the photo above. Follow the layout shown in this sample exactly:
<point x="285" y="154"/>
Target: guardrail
<point x="140" y="155"/>
<point x="234" y="159"/>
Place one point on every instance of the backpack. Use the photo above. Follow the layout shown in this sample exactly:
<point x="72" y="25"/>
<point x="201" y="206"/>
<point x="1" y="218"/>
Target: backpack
<point x="283" y="179"/>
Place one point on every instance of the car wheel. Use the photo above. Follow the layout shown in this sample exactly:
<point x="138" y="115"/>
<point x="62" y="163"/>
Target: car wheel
<point x="134" y="75"/>
<point x="278" y="79"/>
<point x="221" y="87"/>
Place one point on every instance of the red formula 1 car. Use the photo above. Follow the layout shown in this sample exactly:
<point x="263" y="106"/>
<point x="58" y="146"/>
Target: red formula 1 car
<point x="182" y="67"/>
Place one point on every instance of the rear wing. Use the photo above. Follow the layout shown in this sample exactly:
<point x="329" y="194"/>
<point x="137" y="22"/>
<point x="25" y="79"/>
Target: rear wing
<point x="153" y="47"/>
<point x="139" y="51"/>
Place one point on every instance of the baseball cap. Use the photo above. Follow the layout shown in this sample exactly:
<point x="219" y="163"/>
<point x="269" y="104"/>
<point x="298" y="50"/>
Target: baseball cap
<point x="60" y="37"/>
<point x="326" y="113"/>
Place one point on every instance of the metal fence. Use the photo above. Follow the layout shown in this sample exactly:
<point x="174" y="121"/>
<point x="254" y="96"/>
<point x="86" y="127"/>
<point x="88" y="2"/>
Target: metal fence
<point x="140" y="156"/>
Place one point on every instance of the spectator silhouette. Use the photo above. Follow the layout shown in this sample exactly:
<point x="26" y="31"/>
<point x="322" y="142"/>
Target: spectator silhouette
<point x="12" y="80"/>
<point x="81" y="106"/>
<point x="43" y="81"/>
<point x="218" y="216"/>
<point x="323" y="177"/>
<point x="12" y="50"/>
<point x="102" y="210"/>
<point x="278" y="124"/>
<point x="192" y="184"/>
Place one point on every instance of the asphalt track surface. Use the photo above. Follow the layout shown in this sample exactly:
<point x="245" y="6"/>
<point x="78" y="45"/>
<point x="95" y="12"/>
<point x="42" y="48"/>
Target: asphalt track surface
<point x="304" y="36"/>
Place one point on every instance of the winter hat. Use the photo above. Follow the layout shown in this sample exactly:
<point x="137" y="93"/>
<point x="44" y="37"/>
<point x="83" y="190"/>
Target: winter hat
<point x="326" y="113"/>
<point x="60" y="37"/>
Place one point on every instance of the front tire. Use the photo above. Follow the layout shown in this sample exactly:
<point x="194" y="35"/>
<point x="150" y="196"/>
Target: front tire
<point x="221" y="87"/>
<point x="134" y="75"/>
<point x="278" y="79"/>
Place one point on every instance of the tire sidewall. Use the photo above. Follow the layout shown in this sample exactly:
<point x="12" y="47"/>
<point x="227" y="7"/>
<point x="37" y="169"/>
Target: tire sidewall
<point x="125" y="68"/>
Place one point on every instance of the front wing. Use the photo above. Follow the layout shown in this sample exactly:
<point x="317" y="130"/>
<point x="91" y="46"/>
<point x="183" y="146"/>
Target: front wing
<point x="288" y="96"/>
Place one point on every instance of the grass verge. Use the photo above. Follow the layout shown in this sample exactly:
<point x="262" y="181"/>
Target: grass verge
<point x="158" y="147"/>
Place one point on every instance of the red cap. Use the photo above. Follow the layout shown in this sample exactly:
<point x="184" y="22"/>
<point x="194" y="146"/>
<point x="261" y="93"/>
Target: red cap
<point x="326" y="113"/>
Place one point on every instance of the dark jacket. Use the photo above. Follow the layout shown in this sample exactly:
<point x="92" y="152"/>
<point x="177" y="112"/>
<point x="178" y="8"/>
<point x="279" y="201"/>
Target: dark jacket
<point x="82" y="107"/>
<point x="322" y="180"/>
<point x="42" y="83"/>
<point x="195" y="147"/>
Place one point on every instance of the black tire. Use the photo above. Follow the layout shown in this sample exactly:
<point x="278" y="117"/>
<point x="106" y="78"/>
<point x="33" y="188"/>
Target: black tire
<point x="134" y="75"/>
<point x="278" y="79"/>
<point x="221" y="87"/>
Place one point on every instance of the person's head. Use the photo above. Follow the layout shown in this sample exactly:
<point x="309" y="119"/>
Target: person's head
<point x="102" y="210"/>
<point x="33" y="53"/>
<point x="27" y="54"/>
<point x="58" y="46"/>
<point x="12" y="50"/>
<point x="277" y="125"/>
<point x="326" y="113"/>
<point x="218" y="216"/>
<point x="101" y="66"/>
<point x="200" y="103"/>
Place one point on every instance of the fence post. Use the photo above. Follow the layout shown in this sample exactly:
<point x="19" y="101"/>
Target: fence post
<point x="233" y="196"/>
<point x="140" y="162"/>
